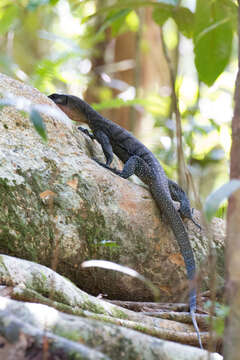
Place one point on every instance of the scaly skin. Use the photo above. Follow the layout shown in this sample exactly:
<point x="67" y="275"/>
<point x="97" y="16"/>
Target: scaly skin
<point x="138" y="160"/>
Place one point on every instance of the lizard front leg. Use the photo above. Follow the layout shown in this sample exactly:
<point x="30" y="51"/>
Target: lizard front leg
<point x="114" y="170"/>
<point x="104" y="141"/>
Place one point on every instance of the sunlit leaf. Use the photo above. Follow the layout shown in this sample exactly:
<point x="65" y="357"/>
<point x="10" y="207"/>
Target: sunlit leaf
<point x="38" y="124"/>
<point x="7" y="17"/>
<point x="215" y="199"/>
<point x="123" y="269"/>
<point x="132" y="20"/>
<point x="213" y="36"/>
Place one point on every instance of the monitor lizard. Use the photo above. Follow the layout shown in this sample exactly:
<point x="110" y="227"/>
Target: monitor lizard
<point x="139" y="160"/>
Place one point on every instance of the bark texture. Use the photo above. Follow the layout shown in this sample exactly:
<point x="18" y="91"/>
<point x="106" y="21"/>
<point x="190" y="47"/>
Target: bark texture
<point x="231" y="341"/>
<point x="58" y="203"/>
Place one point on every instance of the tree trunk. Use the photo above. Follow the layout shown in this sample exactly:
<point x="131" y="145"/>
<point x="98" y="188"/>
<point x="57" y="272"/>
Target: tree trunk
<point x="232" y="331"/>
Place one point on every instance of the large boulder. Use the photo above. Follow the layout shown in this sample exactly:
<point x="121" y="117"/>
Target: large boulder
<point x="59" y="208"/>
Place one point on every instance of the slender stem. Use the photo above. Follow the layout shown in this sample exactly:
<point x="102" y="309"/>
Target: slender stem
<point x="138" y="68"/>
<point x="181" y="166"/>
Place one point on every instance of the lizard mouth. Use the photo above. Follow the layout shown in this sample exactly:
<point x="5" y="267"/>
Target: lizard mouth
<point x="59" y="99"/>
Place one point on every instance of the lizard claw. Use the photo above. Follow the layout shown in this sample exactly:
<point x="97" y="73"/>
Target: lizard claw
<point x="98" y="161"/>
<point x="86" y="132"/>
<point x="195" y="223"/>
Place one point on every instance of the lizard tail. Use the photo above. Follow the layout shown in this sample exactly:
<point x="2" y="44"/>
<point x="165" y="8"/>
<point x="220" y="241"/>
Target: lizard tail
<point x="194" y="321"/>
<point x="166" y="206"/>
<point x="192" y="306"/>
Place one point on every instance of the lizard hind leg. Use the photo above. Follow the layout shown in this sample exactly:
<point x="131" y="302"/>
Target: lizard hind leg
<point x="136" y="165"/>
<point x="179" y="195"/>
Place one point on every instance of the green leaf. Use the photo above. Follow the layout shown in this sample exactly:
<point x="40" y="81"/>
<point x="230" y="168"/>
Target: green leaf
<point x="7" y="17"/>
<point x="215" y="199"/>
<point x="213" y="36"/>
<point x="54" y="2"/>
<point x="231" y="11"/>
<point x="184" y="19"/>
<point x="162" y="14"/>
<point x="38" y="124"/>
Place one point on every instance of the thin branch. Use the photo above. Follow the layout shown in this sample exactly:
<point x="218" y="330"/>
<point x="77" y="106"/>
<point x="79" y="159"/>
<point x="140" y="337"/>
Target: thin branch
<point x="181" y="165"/>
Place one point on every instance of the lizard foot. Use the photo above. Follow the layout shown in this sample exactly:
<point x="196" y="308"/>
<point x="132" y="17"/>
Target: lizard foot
<point x="114" y="170"/>
<point x="195" y="223"/>
<point x="86" y="132"/>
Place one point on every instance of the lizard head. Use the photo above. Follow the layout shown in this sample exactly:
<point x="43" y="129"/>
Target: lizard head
<point x="71" y="105"/>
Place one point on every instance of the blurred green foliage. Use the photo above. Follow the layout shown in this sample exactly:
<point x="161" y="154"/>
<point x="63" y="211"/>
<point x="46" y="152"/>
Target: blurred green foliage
<point x="52" y="45"/>
<point x="215" y="199"/>
<point x="221" y="312"/>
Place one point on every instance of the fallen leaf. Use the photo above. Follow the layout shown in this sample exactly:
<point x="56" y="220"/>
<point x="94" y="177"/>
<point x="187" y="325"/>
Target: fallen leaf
<point x="176" y="259"/>
<point x="47" y="193"/>
<point x="73" y="183"/>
